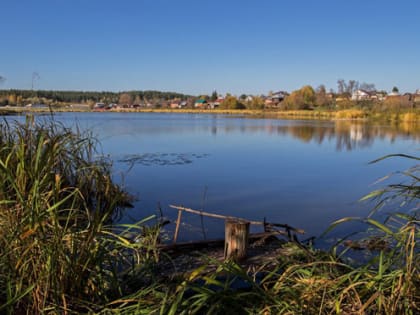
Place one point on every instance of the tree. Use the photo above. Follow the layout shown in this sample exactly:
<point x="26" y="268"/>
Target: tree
<point x="125" y="98"/>
<point x="341" y="85"/>
<point x="396" y="103"/>
<point x="2" y="79"/>
<point x="321" y="98"/>
<point x="231" y="102"/>
<point x="303" y="98"/>
<point x="352" y="86"/>
<point x="256" y="103"/>
<point x="395" y="90"/>
<point x="347" y="88"/>
<point x="137" y="100"/>
<point x="12" y="99"/>
<point x="370" y="87"/>
<point x="308" y="95"/>
<point x="214" y="96"/>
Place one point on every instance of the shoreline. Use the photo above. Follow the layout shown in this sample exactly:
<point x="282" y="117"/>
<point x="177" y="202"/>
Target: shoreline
<point x="411" y="116"/>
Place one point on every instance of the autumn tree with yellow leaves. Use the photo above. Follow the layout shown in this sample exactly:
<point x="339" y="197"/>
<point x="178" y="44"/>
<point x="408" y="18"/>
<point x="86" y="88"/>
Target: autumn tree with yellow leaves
<point x="303" y="98"/>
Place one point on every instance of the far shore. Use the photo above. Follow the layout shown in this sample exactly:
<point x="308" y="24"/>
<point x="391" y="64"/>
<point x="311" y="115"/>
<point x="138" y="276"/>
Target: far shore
<point x="348" y="114"/>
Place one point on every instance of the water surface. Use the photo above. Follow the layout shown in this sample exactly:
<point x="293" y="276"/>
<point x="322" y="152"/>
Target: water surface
<point x="303" y="173"/>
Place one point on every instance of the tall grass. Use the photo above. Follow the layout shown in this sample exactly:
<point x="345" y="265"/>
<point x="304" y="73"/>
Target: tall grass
<point x="58" y="249"/>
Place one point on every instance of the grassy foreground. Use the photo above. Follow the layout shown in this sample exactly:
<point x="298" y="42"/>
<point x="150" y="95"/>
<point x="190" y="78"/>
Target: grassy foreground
<point x="61" y="254"/>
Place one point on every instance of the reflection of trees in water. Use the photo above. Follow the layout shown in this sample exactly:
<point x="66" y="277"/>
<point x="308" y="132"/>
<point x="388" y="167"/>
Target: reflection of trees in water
<point x="352" y="136"/>
<point x="349" y="135"/>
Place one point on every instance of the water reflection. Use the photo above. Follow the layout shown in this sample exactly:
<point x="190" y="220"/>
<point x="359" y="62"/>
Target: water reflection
<point x="346" y="134"/>
<point x="343" y="135"/>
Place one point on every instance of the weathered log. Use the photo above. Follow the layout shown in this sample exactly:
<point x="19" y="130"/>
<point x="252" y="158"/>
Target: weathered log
<point x="236" y="239"/>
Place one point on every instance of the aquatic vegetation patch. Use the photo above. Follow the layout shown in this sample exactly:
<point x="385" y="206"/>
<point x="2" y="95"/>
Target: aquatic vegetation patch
<point x="163" y="159"/>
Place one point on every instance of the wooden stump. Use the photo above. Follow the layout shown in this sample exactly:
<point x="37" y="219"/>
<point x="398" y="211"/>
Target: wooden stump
<point x="236" y="239"/>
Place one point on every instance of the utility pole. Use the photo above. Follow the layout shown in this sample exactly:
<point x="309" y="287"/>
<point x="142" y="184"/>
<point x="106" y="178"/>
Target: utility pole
<point x="35" y="76"/>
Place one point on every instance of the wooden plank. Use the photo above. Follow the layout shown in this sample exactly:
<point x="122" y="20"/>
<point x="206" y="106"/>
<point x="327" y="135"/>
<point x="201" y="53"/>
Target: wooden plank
<point x="226" y="217"/>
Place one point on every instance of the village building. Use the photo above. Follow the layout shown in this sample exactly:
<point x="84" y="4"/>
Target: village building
<point x="175" y="104"/>
<point x="200" y="103"/>
<point x="99" y="106"/>
<point x="217" y="102"/>
<point x="275" y="99"/>
<point x="364" y="95"/>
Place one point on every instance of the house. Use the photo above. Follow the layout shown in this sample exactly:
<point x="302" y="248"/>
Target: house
<point x="249" y="99"/>
<point x="217" y="102"/>
<point x="363" y="95"/>
<point x="279" y="96"/>
<point x="175" y="104"/>
<point x="360" y="95"/>
<point x="275" y="98"/>
<point x="200" y="103"/>
<point x="99" y="106"/>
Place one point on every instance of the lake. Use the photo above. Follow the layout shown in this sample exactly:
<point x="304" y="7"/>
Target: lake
<point x="303" y="173"/>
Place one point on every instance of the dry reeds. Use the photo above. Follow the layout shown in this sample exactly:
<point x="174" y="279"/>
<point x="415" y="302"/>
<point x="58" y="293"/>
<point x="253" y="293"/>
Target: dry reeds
<point x="59" y="252"/>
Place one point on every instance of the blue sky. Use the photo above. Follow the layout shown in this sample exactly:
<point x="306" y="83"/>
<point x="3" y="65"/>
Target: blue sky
<point x="197" y="46"/>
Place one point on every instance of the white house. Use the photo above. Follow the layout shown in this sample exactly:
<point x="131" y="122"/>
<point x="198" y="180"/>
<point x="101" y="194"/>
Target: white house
<point x="360" y="95"/>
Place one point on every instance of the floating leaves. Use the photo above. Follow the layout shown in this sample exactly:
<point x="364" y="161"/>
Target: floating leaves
<point x="162" y="159"/>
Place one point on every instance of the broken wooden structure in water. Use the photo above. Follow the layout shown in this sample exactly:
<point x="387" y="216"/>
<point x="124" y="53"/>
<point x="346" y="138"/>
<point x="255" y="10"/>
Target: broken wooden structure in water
<point x="237" y="235"/>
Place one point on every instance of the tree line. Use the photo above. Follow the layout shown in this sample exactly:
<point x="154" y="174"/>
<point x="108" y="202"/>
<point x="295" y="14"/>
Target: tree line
<point x="305" y="98"/>
<point x="16" y="96"/>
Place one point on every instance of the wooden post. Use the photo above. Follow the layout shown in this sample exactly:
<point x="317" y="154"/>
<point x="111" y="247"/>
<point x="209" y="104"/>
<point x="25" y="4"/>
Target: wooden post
<point x="236" y="239"/>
